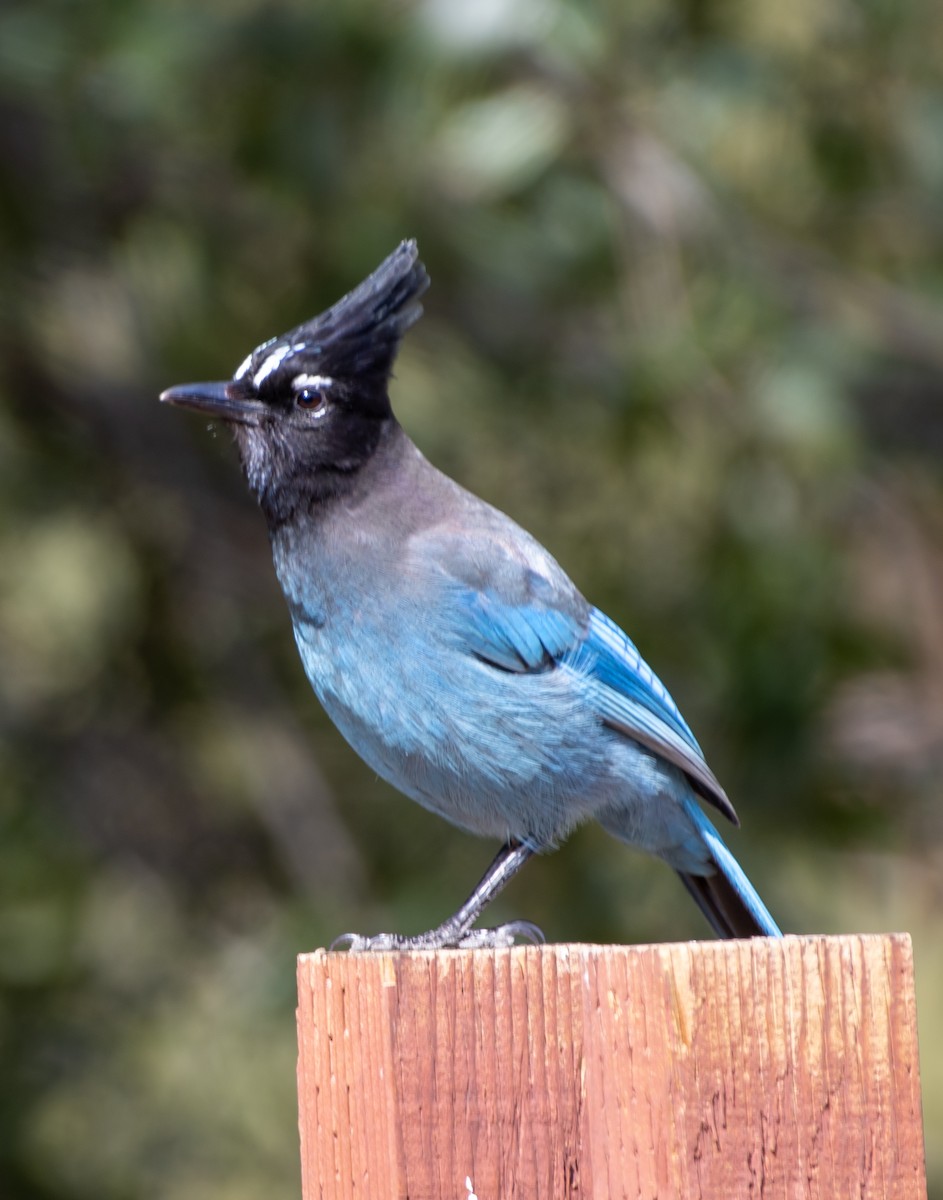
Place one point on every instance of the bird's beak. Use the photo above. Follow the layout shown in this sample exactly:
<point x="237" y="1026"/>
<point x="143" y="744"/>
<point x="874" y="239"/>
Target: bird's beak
<point x="227" y="400"/>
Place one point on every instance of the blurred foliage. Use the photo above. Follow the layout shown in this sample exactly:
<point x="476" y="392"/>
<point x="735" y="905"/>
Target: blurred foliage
<point x="685" y="325"/>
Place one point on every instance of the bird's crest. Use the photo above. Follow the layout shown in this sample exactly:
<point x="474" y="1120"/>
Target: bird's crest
<point x="353" y="341"/>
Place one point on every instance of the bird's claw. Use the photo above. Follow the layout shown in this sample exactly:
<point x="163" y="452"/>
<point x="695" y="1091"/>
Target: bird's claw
<point x="443" y="938"/>
<point x="502" y="936"/>
<point x="357" y="943"/>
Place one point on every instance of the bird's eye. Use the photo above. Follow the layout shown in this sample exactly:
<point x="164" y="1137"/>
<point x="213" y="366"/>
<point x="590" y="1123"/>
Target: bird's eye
<point x="311" y="392"/>
<point x="310" y="398"/>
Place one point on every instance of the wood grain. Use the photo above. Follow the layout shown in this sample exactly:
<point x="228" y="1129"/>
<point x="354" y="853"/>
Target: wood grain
<point x="709" y="1069"/>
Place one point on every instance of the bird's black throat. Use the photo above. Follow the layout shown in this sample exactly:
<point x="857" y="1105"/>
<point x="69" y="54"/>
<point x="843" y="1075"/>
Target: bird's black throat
<point x="293" y="476"/>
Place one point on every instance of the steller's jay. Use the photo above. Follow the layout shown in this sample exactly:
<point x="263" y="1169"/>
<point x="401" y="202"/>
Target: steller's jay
<point x="446" y="644"/>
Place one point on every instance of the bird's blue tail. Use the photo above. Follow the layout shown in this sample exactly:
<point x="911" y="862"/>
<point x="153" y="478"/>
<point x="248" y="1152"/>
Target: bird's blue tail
<point x="727" y="898"/>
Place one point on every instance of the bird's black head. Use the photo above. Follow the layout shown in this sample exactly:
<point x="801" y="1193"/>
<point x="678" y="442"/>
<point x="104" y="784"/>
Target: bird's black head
<point x="309" y="408"/>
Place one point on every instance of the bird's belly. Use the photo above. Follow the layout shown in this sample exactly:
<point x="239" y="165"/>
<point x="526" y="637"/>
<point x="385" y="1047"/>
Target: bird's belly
<point x="498" y="753"/>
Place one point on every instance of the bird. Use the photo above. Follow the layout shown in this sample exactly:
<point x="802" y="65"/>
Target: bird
<point x="447" y="645"/>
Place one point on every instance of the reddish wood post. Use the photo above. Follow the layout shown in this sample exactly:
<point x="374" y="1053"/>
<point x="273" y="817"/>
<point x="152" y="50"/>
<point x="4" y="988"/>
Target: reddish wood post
<point x="706" y="1069"/>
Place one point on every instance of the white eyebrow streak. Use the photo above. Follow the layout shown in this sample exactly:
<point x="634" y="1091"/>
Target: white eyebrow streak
<point x="244" y="366"/>
<point x="270" y="364"/>
<point x="303" y="381"/>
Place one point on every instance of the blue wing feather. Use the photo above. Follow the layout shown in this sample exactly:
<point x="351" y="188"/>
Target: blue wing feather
<point x="516" y="637"/>
<point x="633" y="700"/>
<point x="617" y="664"/>
<point x="534" y="636"/>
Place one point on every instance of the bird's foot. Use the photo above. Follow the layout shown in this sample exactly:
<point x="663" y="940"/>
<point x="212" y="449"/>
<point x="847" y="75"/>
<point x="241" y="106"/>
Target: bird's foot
<point x="445" y="937"/>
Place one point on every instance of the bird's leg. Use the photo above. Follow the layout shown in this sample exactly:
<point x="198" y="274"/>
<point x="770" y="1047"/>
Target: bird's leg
<point x="457" y="930"/>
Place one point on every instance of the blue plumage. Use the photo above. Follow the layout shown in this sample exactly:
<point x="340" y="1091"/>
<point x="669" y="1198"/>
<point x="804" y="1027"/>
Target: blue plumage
<point x="448" y="646"/>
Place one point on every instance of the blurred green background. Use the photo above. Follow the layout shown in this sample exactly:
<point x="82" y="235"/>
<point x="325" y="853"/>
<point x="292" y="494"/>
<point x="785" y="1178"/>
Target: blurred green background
<point x="685" y="325"/>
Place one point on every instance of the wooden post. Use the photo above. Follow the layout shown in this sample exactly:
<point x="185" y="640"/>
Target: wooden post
<point x="705" y="1069"/>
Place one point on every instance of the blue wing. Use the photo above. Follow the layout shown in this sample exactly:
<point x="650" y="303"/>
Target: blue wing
<point x="632" y="699"/>
<point x="517" y="637"/>
<point x="617" y="664"/>
<point x="511" y="605"/>
<point x="523" y="621"/>
<point x="508" y="602"/>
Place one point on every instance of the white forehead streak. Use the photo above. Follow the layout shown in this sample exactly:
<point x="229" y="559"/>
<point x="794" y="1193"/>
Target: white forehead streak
<point x="243" y="366"/>
<point x="315" y="381"/>
<point x="270" y="364"/>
